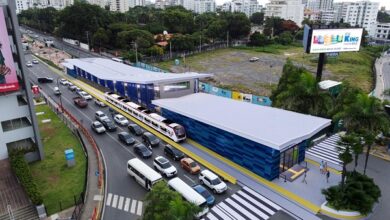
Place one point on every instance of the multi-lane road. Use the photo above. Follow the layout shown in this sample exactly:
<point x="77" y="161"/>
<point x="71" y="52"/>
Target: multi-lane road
<point x="123" y="195"/>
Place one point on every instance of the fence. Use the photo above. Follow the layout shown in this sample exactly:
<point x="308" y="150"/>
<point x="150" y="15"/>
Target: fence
<point x="258" y="100"/>
<point x="148" y="67"/>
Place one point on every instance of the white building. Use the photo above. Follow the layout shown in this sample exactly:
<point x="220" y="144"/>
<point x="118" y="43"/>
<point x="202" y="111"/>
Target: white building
<point x="202" y="6"/>
<point x="18" y="123"/>
<point x="319" y="10"/>
<point x="57" y="4"/>
<point x="23" y="5"/>
<point x="382" y="32"/>
<point x="361" y="13"/>
<point x="133" y="3"/>
<point x="286" y="9"/>
<point x="101" y="3"/>
<point x="245" y="6"/>
<point x="119" y="5"/>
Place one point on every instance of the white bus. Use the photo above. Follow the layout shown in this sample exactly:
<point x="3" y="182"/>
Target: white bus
<point x="142" y="173"/>
<point x="189" y="194"/>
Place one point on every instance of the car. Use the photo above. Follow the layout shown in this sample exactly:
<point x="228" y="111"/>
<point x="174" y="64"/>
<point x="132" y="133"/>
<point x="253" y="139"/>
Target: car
<point x="72" y="88"/>
<point x="80" y="102"/>
<point x="45" y="79"/>
<point x="100" y="116"/>
<point x="98" y="127"/>
<point x="135" y="129"/>
<point x="212" y="181"/>
<point x="109" y="125"/>
<point x="210" y="199"/>
<point x="253" y="59"/>
<point x="190" y="165"/>
<point x="99" y="103"/>
<point x="36" y="36"/>
<point x="172" y="152"/>
<point x="34" y="61"/>
<point x="149" y="139"/>
<point x="85" y="95"/>
<point x="121" y="120"/>
<point x="64" y="82"/>
<point x="70" y="84"/>
<point x="57" y="91"/>
<point x="142" y="151"/>
<point x="126" y="138"/>
<point x="162" y="165"/>
<point x="29" y="64"/>
<point x="78" y="90"/>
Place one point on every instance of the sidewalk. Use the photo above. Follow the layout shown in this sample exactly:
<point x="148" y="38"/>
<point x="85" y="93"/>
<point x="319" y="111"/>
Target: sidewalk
<point x="379" y="84"/>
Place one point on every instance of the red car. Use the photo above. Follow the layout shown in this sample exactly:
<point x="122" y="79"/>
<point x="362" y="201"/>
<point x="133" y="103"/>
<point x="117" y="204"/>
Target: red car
<point x="80" y="102"/>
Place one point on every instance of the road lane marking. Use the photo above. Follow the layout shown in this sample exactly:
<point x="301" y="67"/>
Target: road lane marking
<point x="133" y="204"/>
<point x="109" y="199"/>
<point x="188" y="178"/>
<point x="114" y="201"/>
<point x="139" y="208"/>
<point x="120" y="204"/>
<point x="127" y="203"/>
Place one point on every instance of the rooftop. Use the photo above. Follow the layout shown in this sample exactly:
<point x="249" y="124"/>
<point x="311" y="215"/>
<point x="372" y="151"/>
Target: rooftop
<point x="272" y="127"/>
<point x="110" y="70"/>
<point x="326" y="84"/>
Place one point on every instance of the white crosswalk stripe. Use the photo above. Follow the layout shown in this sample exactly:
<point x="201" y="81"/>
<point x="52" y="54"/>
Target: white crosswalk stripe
<point x="245" y="204"/>
<point x="326" y="150"/>
<point x="129" y="205"/>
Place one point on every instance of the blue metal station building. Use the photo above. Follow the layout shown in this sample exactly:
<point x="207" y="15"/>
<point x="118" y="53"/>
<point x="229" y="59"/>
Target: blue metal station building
<point x="139" y="85"/>
<point x="263" y="139"/>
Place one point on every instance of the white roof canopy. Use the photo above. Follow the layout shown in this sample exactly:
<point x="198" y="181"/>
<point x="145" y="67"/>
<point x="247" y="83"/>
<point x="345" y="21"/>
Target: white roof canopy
<point x="326" y="84"/>
<point x="272" y="127"/>
<point x="110" y="70"/>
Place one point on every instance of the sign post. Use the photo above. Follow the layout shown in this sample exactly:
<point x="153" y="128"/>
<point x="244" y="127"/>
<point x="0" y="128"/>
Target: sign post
<point x="69" y="156"/>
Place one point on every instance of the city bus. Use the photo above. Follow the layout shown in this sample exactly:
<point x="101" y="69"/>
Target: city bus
<point x="142" y="173"/>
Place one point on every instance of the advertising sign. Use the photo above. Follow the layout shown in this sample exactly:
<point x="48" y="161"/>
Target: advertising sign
<point x="335" y="40"/>
<point x="8" y="79"/>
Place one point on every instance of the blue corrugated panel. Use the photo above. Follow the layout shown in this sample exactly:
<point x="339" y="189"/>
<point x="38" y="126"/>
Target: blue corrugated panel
<point x="88" y="76"/>
<point x="256" y="157"/>
<point x="120" y="88"/>
<point x="71" y="73"/>
<point x="132" y="91"/>
<point x="102" y="82"/>
<point x="110" y="85"/>
<point x="82" y="73"/>
<point x="95" y="79"/>
<point x="150" y="95"/>
<point x="144" y="94"/>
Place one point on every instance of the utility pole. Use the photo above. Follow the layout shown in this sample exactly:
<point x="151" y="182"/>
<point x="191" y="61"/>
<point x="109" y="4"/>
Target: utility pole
<point x="88" y="40"/>
<point x="200" y="43"/>
<point x="170" y="49"/>
<point x="136" y="51"/>
<point x="227" y="39"/>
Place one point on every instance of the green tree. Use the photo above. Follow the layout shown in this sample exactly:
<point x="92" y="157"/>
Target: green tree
<point x="285" y="38"/>
<point x="100" y="37"/>
<point x="178" y="20"/>
<point x="163" y="203"/>
<point x="238" y="24"/>
<point x="273" y="26"/>
<point x="142" y="38"/>
<point x="345" y="155"/>
<point x="257" y="18"/>
<point x="182" y="42"/>
<point x="383" y="17"/>
<point x="257" y="39"/>
<point x="217" y="29"/>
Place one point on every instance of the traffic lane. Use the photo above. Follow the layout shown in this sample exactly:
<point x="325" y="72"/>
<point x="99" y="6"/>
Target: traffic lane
<point x="190" y="179"/>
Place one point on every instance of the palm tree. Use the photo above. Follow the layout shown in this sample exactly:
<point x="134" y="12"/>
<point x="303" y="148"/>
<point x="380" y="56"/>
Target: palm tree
<point x="345" y="154"/>
<point x="366" y="117"/>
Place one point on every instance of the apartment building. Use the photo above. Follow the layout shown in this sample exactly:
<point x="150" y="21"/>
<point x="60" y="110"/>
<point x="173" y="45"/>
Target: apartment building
<point x="245" y="6"/>
<point x="133" y="3"/>
<point x="382" y="32"/>
<point x="26" y="4"/>
<point x="202" y="6"/>
<point x="18" y="123"/>
<point x="119" y="5"/>
<point x="286" y="9"/>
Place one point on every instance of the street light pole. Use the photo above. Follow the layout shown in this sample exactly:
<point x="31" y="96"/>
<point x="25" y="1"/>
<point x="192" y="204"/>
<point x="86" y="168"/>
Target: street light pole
<point x="62" y="110"/>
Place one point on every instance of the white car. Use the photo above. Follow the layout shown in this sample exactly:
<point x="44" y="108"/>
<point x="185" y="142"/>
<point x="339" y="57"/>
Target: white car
<point x="100" y="116"/>
<point x="70" y="84"/>
<point x="212" y="181"/>
<point x="162" y="165"/>
<point x="121" y="120"/>
<point x="64" y="82"/>
<point x="35" y="61"/>
<point x="78" y="90"/>
<point x="98" y="127"/>
<point x="29" y="64"/>
<point x="85" y="95"/>
<point x="253" y="59"/>
<point x="100" y="103"/>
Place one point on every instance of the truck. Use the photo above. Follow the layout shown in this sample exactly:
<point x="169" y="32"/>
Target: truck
<point x="80" y="102"/>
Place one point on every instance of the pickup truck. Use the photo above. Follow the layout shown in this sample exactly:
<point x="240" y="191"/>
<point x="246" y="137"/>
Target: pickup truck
<point x="80" y="102"/>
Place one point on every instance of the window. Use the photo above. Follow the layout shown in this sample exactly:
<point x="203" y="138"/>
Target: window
<point x="154" y="124"/>
<point x="15" y="124"/>
<point x="21" y="144"/>
<point x="22" y="100"/>
<point x="147" y="120"/>
<point x="176" y="86"/>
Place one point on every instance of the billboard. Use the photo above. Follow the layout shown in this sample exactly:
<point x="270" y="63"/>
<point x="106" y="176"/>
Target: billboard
<point x="335" y="40"/>
<point x="8" y="79"/>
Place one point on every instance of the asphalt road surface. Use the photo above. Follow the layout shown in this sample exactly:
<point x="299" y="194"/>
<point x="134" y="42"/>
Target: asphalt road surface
<point x="120" y="187"/>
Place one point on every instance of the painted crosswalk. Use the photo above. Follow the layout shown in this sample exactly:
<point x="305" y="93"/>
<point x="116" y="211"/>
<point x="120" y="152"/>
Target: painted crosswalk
<point x="132" y="206"/>
<point x="326" y="150"/>
<point x="244" y="204"/>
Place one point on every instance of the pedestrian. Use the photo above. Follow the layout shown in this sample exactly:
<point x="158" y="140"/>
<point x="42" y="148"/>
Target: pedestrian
<point x="322" y="167"/>
<point x="304" y="177"/>
<point x="327" y="176"/>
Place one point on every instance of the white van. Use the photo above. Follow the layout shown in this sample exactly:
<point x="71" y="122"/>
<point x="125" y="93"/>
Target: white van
<point x="142" y="173"/>
<point x="189" y="194"/>
<point x="57" y="91"/>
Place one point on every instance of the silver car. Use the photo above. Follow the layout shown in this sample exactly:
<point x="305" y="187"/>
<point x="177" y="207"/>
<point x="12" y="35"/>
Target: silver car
<point x="98" y="127"/>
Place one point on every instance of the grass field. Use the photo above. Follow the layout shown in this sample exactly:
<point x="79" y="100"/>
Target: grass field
<point x="232" y="69"/>
<point x="57" y="182"/>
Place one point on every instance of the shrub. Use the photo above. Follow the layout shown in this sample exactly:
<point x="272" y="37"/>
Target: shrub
<point x="22" y="171"/>
<point x="360" y="193"/>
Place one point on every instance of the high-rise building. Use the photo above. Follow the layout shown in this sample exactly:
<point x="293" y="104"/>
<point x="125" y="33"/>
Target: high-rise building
<point x="26" y="4"/>
<point x="361" y="14"/>
<point x="18" y="123"/>
<point x="382" y="32"/>
<point x="133" y="3"/>
<point x="319" y="10"/>
<point x="286" y="9"/>
<point x="202" y="6"/>
<point x="101" y="3"/>
<point x="119" y="5"/>
<point x="245" y="6"/>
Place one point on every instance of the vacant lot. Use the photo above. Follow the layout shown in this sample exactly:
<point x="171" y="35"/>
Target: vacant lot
<point x="57" y="182"/>
<point x="232" y="69"/>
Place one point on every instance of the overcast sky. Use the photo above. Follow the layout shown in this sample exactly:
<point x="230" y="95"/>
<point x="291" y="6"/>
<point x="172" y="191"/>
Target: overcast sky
<point x="263" y="2"/>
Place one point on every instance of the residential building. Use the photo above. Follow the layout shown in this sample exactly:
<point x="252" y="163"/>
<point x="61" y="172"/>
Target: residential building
<point x="361" y="14"/>
<point x="18" y="123"/>
<point x="101" y="3"/>
<point x="119" y="5"/>
<point x="319" y="10"/>
<point x="202" y="6"/>
<point x="23" y="5"/>
<point x="286" y="9"/>
<point x="57" y="4"/>
<point x="187" y="4"/>
<point x="382" y="32"/>
<point x="245" y="6"/>
<point x="133" y="3"/>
